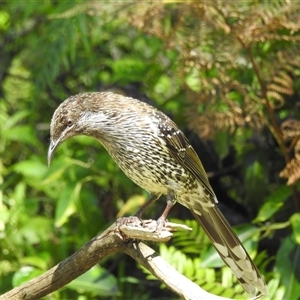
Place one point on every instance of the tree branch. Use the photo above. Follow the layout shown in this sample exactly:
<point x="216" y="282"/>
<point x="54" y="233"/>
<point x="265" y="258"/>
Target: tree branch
<point x="113" y="240"/>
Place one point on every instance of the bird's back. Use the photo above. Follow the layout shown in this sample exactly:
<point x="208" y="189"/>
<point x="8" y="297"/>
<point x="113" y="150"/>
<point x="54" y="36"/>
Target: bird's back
<point x="135" y="136"/>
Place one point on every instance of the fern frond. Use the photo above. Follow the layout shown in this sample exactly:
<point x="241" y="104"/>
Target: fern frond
<point x="212" y="40"/>
<point x="284" y="80"/>
<point x="280" y="89"/>
<point x="276" y="97"/>
<point x="280" y="84"/>
<point x="289" y="58"/>
<point x="290" y="129"/>
<point x="291" y="171"/>
<point x="191" y="242"/>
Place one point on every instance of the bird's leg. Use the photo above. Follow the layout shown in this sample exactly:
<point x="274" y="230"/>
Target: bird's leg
<point x="162" y="219"/>
<point x="153" y="198"/>
<point x="136" y="219"/>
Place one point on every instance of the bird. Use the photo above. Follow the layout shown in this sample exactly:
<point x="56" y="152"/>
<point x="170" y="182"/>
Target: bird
<point x="156" y="155"/>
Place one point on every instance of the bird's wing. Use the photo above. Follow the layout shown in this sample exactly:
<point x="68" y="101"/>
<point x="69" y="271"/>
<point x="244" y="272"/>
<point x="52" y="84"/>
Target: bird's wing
<point x="181" y="150"/>
<point x="212" y="221"/>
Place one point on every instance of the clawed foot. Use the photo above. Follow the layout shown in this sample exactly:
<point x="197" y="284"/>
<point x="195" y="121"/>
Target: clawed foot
<point x="156" y="226"/>
<point x="160" y="224"/>
<point x="130" y="221"/>
<point x="134" y="221"/>
<point x="134" y="229"/>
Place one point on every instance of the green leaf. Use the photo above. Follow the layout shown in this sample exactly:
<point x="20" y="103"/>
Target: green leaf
<point x="34" y="261"/>
<point x="227" y="277"/>
<point x="36" y="229"/>
<point x="129" y="69"/>
<point x="163" y="85"/>
<point x="4" y="20"/>
<point x="267" y="211"/>
<point x="275" y="290"/>
<point x="273" y="203"/>
<point x="222" y="143"/>
<point x="193" y="81"/>
<point x="288" y="264"/>
<point x="21" y="133"/>
<point x="295" y="222"/>
<point x="66" y="205"/>
<point x="55" y="172"/>
<point x="4" y="217"/>
<point x="30" y="168"/>
<point x="256" y="176"/>
<point x="13" y="120"/>
<point x="96" y="281"/>
<point x="25" y="274"/>
<point x="132" y="205"/>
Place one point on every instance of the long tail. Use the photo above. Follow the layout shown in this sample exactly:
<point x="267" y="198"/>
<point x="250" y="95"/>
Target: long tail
<point x="230" y="248"/>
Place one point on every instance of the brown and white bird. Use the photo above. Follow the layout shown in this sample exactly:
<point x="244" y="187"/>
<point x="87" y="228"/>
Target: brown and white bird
<point x="156" y="155"/>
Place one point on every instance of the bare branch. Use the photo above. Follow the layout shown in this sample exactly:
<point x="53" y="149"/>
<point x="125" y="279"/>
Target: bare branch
<point x="112" y="240"/>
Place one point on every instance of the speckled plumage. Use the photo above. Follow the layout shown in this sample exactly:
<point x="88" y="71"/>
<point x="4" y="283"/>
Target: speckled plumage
<point x="155" y="154"/>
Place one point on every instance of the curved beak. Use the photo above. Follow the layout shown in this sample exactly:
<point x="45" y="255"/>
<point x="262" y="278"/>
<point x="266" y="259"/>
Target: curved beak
<point x="53" y="145"/>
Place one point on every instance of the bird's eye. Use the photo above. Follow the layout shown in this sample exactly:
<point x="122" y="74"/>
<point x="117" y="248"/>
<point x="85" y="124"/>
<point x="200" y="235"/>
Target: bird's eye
<point x="69" y="123"/>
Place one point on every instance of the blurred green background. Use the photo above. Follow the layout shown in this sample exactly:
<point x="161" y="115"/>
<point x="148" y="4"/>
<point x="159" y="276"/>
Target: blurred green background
<point x="227" y="72"/>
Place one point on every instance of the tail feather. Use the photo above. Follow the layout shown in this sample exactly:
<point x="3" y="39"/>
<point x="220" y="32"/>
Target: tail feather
<point x="230" y="248"/>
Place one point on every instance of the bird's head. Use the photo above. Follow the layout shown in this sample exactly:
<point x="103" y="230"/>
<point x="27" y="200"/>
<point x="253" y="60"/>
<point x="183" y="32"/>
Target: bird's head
<point x="99" y="115"/>
<point x="84" y="114"/>
<point x="67" y="121"/>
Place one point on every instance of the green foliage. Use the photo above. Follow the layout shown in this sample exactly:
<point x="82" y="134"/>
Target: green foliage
<point x="230" y="68"/>
<point x="273" y="203"/>
<point x="95" y="282"/>
<point x="288" y="264"/>
<point x="295" y="222"/>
